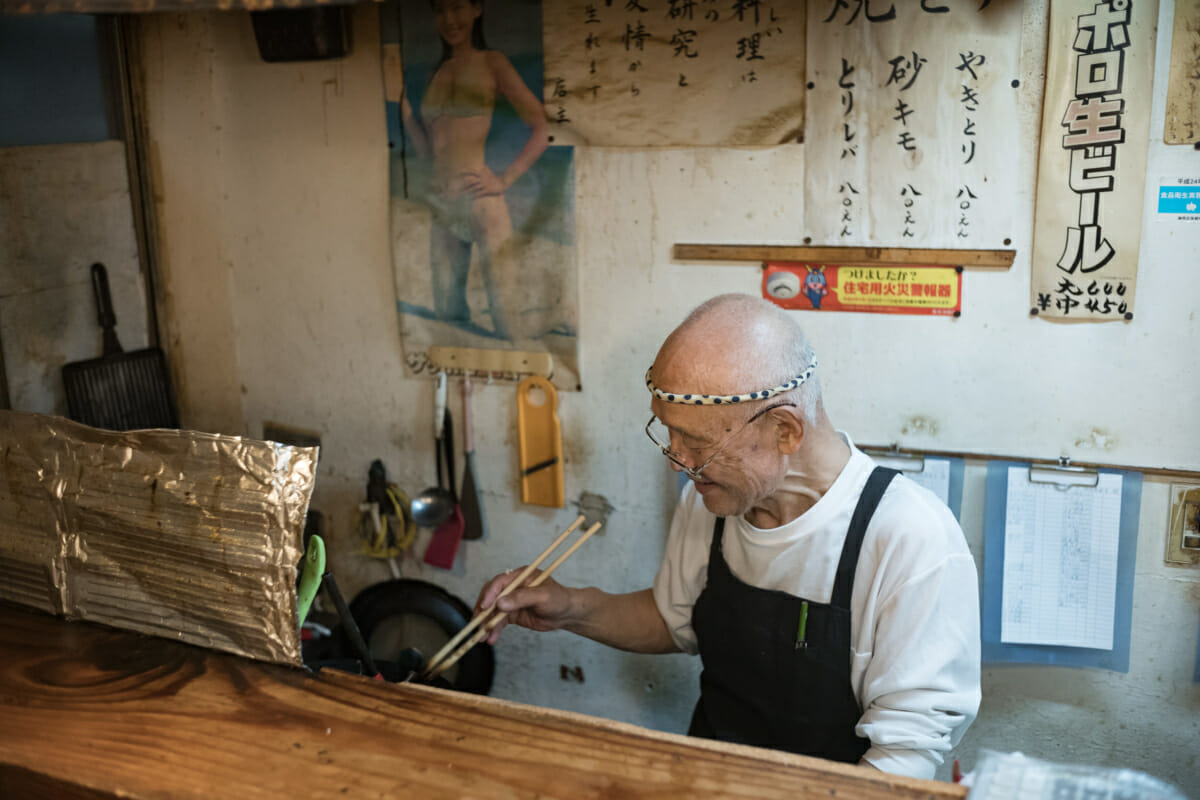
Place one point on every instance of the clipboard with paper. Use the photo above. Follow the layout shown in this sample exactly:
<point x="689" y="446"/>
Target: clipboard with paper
<point x="1059" y="556"/>
<point x="942" y="475"/>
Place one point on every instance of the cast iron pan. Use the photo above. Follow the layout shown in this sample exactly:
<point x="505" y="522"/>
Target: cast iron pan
<point x="405" y="622"/>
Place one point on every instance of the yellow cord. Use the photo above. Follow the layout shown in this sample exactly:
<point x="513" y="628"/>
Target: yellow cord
<point x="375" y="543"/>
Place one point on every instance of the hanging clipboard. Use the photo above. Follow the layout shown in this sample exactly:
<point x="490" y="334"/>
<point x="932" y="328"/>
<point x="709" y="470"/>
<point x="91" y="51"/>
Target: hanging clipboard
<point x="941" y="475"/>
<point x="1196" y="673"/>
<point x="1060" y="548"/>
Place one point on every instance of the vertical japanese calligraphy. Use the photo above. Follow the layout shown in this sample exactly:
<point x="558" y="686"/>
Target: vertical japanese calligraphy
<point x="634" y="73"/>
<point x="910" y="118"/>
<point x="1182" y="124"/>
<point x="1091" y="174"/>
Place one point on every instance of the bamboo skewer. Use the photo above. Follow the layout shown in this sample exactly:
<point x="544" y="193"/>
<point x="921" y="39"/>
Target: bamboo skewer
<point x="484" y="613"/>
<point x="495" y="620"/>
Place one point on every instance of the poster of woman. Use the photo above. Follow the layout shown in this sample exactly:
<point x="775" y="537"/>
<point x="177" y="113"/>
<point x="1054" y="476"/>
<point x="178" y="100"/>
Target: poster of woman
<point x="482" y="207"/>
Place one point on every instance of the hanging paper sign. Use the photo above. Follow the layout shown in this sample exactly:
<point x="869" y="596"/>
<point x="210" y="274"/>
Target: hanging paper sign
<point x="874" y="289"/>
<point x="679" y="73"/>
<point x="1182" y="123"/>
<point x="910" y="135"/>
<point x="1092" y="169"/>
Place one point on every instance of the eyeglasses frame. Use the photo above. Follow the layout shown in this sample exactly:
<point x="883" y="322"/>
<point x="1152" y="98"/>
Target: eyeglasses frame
<point x="695" y="472"/>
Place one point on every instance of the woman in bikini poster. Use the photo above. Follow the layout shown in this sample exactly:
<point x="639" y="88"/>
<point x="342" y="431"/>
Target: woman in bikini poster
<point x="482" y="206"/>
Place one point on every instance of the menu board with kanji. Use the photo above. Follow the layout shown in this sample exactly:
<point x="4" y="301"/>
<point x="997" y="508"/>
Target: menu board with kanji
<point x="645" y="73"/>
<point x="911" y="139"/>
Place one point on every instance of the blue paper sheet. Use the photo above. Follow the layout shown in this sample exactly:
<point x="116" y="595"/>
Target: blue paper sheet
<point x="1196" y="675"/>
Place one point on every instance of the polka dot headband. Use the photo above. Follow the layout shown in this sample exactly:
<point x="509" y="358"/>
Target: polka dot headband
<point x="722" y="399"/>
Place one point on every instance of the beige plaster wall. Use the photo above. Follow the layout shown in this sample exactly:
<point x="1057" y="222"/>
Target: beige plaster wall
<point x="271" y="191"/>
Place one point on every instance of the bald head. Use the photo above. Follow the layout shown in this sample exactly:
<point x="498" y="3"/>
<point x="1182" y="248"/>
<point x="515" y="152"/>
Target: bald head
<point x="736" y="344"/>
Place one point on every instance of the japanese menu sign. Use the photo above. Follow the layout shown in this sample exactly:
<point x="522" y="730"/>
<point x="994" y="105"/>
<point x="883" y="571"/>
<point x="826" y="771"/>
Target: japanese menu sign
<point x="891" y="289"/>
<point x="1092" y="169"/>
<point x="911" y="139"/>
<point x="636" y="73"/>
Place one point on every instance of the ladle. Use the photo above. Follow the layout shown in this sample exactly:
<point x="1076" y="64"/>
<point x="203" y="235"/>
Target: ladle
<point x="432" y="507"/>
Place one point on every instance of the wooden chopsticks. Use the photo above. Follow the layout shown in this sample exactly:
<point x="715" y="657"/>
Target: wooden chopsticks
<point x="487" y="619"/>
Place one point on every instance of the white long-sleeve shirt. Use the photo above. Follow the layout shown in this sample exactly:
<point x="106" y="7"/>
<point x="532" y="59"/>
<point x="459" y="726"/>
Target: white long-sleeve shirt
<point x="914" y="610"/>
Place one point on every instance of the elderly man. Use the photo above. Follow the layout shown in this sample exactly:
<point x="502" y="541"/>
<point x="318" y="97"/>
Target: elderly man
<point x="834" y="603"/>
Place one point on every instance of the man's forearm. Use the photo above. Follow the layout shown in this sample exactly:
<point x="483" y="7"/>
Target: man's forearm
<point x="625" y="621"/>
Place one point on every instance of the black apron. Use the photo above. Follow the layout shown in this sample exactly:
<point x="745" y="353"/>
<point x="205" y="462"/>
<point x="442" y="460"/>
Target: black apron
<point x="760" y="684"/>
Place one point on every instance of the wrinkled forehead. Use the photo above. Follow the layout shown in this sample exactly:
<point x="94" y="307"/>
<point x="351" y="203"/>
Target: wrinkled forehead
<point x="695" y="372"/>
<point x="697" y="421"/>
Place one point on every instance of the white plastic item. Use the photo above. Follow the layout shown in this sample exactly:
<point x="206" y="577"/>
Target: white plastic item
<point x="1015" y="776"/>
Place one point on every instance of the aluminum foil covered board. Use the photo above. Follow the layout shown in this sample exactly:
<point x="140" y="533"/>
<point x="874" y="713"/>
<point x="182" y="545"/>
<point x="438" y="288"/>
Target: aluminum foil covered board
<point x="186" y="535"/>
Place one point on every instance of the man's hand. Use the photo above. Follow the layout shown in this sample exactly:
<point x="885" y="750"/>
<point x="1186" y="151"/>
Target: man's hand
<point x="541" y="608"/>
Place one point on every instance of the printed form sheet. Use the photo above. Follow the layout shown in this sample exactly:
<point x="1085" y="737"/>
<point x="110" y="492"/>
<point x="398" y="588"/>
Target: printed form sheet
<point x="1060" y="562"/>
<point x="935" y="477"/>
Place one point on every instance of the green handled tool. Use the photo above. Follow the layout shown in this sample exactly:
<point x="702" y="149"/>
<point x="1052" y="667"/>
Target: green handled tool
<point x="310" y="576"/>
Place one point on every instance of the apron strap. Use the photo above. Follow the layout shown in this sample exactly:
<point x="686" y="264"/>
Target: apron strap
<point x="843" y="584"/>
<point x="716" y="560"/>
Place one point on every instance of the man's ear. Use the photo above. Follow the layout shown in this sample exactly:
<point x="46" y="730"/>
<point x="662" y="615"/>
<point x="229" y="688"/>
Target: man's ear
<point x="789" y="429"/>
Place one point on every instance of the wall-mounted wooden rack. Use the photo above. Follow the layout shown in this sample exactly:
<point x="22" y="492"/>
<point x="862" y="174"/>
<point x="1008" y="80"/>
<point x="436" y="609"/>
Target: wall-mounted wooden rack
<point x="501" y="364"/>
<point x="867" y="256"/>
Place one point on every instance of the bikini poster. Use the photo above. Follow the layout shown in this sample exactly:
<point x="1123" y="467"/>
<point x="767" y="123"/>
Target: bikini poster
<point x="482" y="207"/>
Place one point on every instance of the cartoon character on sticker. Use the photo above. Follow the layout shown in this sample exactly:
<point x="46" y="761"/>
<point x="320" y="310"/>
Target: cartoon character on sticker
<point x="815" y="286"/>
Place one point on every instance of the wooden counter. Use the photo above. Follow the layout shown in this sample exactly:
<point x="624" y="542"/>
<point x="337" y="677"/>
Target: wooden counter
<point x="89" y="711"/>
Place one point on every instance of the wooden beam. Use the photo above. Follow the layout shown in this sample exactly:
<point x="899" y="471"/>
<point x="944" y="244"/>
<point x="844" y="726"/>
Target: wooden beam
<point x="96" y="712"/>
<point x="864" y="256"/>
<point x="1161" y="473"/>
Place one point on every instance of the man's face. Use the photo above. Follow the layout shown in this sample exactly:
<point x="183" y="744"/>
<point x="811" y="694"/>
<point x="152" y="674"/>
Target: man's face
<point x="747" y="470"/>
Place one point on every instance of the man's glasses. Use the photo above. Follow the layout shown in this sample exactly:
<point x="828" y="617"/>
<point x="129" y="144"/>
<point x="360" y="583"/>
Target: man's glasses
<point x="660" y="434"/>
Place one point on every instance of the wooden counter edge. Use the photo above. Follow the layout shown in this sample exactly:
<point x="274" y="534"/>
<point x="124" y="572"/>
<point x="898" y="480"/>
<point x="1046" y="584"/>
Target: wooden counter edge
<point x="50" y="670"/>
<point x="541" y="715"/>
